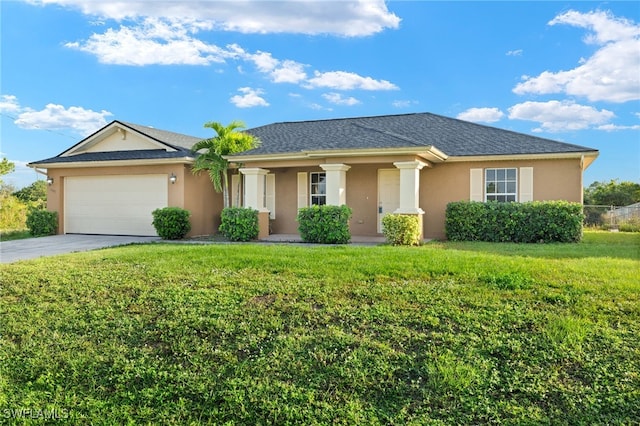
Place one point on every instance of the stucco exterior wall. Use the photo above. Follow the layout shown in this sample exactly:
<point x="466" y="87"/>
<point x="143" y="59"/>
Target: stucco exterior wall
<point x="194" y="193"/>
<point x="440" y="183"/>
<point x="446" y="182"/>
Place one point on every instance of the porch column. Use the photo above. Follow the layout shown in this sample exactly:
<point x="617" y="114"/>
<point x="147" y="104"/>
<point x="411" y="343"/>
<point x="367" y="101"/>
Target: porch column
<point x="336" y="183"/>
<point x="254" y="189"/>
<point x="410" y="189"/>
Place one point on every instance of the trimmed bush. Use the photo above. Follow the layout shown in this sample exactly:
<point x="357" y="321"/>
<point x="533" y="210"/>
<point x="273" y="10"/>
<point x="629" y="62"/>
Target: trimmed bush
<point x="239" y="223"/>
<point x="401" y="229"/>
<point x="171" y="223"/>
<point x="533" y="222"/>
<point x="324" y="224"/>
<point x="42" y="222"/>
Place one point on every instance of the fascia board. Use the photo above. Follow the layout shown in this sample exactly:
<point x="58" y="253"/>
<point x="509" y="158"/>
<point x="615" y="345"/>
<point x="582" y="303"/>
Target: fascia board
<point x="429" y="153"/>
<point x="507" y="157"/>
<point x="112" y="163"/>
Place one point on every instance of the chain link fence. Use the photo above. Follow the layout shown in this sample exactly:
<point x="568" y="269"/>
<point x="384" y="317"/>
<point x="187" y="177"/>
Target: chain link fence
<point x="613" y="218"/>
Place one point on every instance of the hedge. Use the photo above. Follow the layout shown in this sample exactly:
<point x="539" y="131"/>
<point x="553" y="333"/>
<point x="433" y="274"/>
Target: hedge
<point x="401" y="229"/>
<point x="239" y="223"/>
<point x="42" y="222"/>
<point x="532" y="222"/>
<point x="324" y="224"/>
<point x="171" y="223"/>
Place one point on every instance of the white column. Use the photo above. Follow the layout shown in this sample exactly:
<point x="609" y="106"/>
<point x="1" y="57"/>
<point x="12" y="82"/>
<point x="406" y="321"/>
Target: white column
<point x="336" y="183"/>
<point x="254" y="187"/>
<point x="409" y="186"/>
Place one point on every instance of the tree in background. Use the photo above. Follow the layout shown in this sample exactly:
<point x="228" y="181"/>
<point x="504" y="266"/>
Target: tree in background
<point x="6" y="167"/>
<point x="612" y="193"/>
<point x="34" y="194"/>
<point x="211" y="152"/>
<point x="13" y="212"/>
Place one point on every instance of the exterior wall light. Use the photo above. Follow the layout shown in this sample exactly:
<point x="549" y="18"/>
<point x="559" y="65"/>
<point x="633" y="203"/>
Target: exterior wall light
<point x="173" y="178"/>
<point x="49" y="181"/>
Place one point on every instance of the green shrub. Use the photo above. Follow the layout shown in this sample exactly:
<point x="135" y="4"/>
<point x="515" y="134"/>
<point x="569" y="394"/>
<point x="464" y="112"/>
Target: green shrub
<point x="548" y="221"/>
<point x="42" y="222"/>
<point x="171" y="223"/>
<point x="401" y="229"/>
<point x="239" y="223"/>
<point x="324" y="224"/>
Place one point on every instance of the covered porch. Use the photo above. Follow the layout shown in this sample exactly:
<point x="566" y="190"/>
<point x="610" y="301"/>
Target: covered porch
<point x="370" y="190"/>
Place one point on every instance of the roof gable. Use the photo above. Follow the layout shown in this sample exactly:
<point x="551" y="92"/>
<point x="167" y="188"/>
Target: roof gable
<point x="120" y="136"/>
<point x="122" y="141"/>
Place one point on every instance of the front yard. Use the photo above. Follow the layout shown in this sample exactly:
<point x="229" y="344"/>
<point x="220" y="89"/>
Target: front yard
<point x="446" y="333"/>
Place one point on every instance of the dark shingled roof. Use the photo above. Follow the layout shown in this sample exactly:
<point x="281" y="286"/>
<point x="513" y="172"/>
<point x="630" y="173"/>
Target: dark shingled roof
<point x="452" y="136"/>
<point x="422" y="130"/>
<point x="176" y="140"/>
<point x="147" y="154"/>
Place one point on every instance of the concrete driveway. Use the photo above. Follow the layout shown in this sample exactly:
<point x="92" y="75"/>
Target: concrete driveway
<point x="31" y="248"/>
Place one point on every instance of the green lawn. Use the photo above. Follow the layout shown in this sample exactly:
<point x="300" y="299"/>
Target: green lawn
<point x="446" y="333"/>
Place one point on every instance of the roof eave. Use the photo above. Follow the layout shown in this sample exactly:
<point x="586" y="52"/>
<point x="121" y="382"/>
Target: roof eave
<point x="429" y="153"/>
<point x="586" y="157"/>
<point x="113" y="163"/>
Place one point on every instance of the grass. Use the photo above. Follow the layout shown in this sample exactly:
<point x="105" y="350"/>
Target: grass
<point x="447" y="333"/>
<point x="15" y="235"/>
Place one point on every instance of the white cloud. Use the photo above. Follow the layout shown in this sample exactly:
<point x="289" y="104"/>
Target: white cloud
<point x="289" y="72"/>
<point x="485" y="115"/>
<point x="604" y="25"/>
<point x="557" y="116"/>
<point x="286" y="71"/>
<point x="342" y="80"/>
<point x="250" y="98"/>
<point x="55" y="117"/>
<point x="152" y="42"/>
<point x="9" y="104"/>
<point x="352" y="18"/>
<point x="611" y="74"/>
<point x="615" y="127"/>
<point x="403" y="103"/>
<point x="517" y="52"/>
<point x="160" y="42"/>
<point x="336" y="98"/>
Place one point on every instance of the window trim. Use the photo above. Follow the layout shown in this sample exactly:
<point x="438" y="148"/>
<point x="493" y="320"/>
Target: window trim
<point x="506" y="194"/>
<point x="313" y="186"/>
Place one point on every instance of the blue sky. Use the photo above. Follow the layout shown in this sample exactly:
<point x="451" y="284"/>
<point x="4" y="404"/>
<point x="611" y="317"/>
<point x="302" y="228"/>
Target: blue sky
<point x="568" y="71"/>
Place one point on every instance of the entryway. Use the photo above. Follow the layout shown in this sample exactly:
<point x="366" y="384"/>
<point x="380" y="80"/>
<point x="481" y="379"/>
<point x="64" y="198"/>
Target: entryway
<point x="388" y="193"/>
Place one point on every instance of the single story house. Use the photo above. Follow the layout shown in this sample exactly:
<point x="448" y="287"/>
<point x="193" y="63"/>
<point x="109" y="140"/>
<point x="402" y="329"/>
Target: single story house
<point x="410" y="164"/>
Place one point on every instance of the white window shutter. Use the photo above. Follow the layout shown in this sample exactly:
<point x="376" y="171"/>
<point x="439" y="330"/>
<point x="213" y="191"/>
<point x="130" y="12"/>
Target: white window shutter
<point x="270" y="195"/>
<point x="476" y="193"/>
<point x="526" y="184"/>
<point x="234" y="190"/>
<point x="303" y="198"/>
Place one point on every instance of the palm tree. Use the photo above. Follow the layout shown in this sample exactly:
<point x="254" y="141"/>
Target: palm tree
<point x="212" y="151"/>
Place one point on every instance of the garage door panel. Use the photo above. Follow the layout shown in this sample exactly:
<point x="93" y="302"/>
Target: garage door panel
<point x="119" y="205"/>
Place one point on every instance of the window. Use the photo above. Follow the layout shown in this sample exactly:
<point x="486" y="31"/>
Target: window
<point x="501" y="185"/>
<point x="318" y="188"/>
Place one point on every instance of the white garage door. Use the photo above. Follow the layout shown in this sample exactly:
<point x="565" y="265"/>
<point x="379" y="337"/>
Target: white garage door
<point x="116" y="205"/>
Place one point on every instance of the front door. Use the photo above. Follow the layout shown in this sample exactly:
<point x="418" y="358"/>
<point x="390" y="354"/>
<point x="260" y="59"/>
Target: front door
<point x="388" y="193"/>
